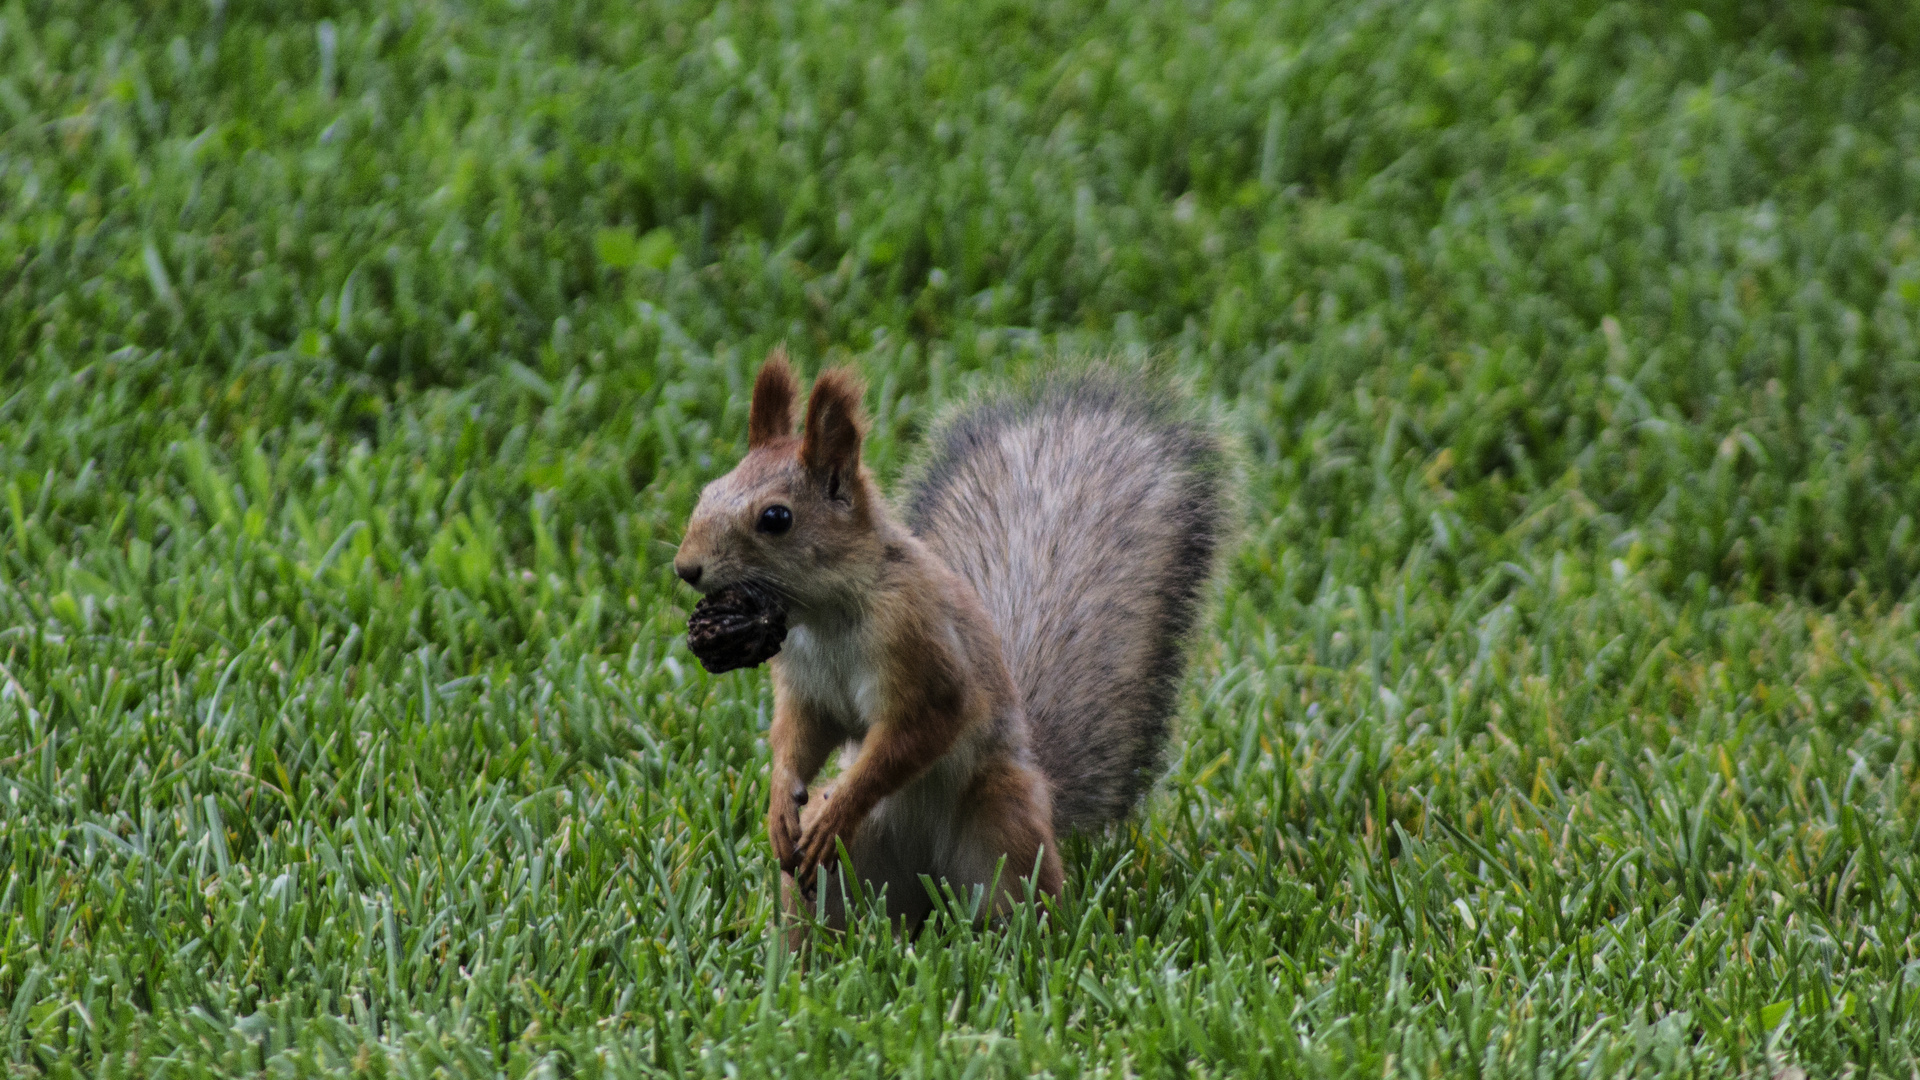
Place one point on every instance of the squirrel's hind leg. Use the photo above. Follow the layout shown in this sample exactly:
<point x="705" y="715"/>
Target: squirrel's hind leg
<point x="1010" y="817"/>
<point x="1005" y="830"/>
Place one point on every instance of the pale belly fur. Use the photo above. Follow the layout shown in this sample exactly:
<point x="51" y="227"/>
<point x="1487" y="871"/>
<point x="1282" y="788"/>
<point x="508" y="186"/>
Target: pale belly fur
<point x="832" y="671"/>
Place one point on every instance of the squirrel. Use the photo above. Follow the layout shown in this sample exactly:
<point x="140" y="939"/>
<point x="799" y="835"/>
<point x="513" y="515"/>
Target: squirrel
<point x="999" y="661"/>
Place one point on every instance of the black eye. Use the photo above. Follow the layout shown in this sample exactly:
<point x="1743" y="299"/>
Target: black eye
<point x="775" y="520"/>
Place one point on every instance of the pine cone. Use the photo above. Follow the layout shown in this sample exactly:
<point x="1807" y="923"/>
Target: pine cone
<point x="739" y="626"/>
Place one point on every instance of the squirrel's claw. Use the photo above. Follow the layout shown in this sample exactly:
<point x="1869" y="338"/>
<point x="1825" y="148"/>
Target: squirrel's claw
<point x="806" y="863"/>
<point x="819" y="846"/>
<point x="784" y="832"/>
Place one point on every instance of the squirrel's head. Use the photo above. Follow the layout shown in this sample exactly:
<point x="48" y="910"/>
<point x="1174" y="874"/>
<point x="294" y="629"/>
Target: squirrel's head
<point x="797" y="513"/>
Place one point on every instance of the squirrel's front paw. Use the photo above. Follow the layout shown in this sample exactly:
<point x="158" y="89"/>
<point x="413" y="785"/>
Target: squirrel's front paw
<point x="784" y="829"/>
<point x="819" y="846"/>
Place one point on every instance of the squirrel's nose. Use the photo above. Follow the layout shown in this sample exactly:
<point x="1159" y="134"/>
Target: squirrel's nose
<point x="689" y="574"/>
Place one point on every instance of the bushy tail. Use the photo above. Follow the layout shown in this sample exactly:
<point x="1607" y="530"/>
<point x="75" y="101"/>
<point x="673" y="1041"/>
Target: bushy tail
<point x="1087" y="512"/>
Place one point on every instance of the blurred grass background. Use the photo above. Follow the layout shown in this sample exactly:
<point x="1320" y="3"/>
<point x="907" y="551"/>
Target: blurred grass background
<point x="359" y="364"/>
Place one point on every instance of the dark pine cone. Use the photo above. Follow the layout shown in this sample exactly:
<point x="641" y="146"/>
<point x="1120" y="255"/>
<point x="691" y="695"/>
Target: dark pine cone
<point x="736" y="627"/>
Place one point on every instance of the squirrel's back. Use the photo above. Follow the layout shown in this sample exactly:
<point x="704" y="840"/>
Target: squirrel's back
<point x="1088" y="514"/>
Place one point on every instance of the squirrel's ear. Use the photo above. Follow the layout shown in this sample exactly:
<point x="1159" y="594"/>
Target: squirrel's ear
<point x="831" y="447"/>
<point x="770" y="416"/>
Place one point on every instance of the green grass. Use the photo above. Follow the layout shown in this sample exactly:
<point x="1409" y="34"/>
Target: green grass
<point x="360" y="363"/>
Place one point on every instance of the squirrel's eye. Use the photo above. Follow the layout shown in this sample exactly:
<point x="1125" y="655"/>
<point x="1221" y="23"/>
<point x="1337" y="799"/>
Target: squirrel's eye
<point x="775" y="520"/>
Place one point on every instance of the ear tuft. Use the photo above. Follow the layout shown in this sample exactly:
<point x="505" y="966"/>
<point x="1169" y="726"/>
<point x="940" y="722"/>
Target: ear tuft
<point x="770" y="416"/>
<point x="831" y="447"/>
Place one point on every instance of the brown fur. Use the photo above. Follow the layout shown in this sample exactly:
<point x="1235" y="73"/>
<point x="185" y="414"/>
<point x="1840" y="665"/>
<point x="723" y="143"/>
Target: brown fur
<point x="770" y="416"/>
<point x="890" y="655"/>
<point x="923" y="706"/>
<point x="1013" y="822"/>
<point x="831" y="448"/>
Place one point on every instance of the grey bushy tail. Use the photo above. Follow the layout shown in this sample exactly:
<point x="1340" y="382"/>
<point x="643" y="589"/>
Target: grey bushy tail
<point x="1088" y="513"/>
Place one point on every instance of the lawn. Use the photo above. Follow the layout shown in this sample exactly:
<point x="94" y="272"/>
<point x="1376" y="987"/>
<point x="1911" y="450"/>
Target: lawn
<point x="359" y="364"/>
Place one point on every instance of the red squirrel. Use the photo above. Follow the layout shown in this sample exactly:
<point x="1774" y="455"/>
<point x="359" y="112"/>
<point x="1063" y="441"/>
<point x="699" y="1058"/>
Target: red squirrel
<point x="999" y="660"/>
